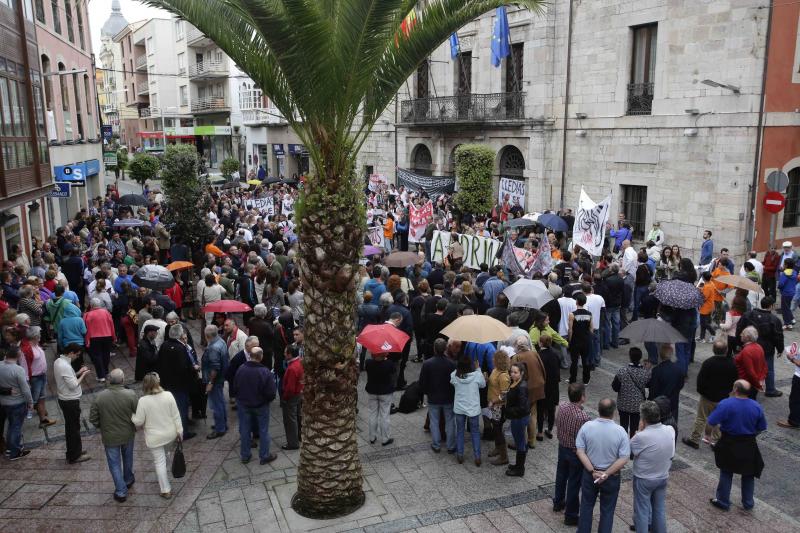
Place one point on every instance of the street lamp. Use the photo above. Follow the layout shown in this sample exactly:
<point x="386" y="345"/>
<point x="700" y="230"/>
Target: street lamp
<point x="711" y="83"/>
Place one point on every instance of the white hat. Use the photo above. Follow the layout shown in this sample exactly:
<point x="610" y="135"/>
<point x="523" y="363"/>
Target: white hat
<point x="787" y="244"/>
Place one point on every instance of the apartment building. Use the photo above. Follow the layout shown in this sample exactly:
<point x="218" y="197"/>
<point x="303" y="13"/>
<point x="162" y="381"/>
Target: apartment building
<point x="110" y="85"/>
<point x="656" y="103"/>
<point x="73" y="132"/>
<point x="25" y="177"/>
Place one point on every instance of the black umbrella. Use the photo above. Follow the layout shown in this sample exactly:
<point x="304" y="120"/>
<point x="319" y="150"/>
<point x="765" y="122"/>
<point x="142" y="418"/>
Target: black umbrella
<point x="289" y="181"/>
<point x="154" y="277"/>
<point x="270" y="180"/>
<point x="231" y="185"/>
<point x="651" y="330"/>
<point x="679" y="294"/>
<point x="133" y="199"/>
<point x="520" y="222"/>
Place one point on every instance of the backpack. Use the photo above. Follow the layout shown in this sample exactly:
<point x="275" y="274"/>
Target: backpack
<point x="411" y="400"/>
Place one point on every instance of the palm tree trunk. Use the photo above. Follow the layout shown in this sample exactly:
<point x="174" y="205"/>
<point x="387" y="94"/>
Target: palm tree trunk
<point x="329" y="480"/>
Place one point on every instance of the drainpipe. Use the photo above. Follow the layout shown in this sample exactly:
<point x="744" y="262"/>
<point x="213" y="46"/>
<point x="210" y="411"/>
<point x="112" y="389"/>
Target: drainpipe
<point x="759" y="141"/>
<point x="566" y="110"/>
<point x="396" y="97"/>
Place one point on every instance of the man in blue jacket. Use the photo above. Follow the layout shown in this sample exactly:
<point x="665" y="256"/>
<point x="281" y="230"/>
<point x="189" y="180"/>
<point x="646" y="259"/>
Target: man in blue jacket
<point x="255" y="390"/>
<point x="706" y="249"/>
<point x="215" y="363"/>
<point x="434" y="382"/>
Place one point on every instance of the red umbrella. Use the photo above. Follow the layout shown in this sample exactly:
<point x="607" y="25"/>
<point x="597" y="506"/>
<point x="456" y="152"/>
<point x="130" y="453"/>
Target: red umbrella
<point x="383" y="338"/>
<point x="227" y="306"/>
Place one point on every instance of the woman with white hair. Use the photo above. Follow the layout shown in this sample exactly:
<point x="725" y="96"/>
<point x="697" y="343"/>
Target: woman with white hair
<point x="101" y="293"/>
<point x="750" y="362"/>
<point x="158" y="413"/>
<point x="261" y="326"/>
<point x="34" y="363"/>
<point x="99" y="337"/>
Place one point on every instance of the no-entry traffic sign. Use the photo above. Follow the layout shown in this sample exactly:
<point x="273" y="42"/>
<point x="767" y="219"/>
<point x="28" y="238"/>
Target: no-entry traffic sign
<point x="774" y="202"/>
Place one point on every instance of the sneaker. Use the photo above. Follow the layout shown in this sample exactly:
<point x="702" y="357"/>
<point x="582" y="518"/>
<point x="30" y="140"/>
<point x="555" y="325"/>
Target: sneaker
<point x="268" y="459"/>
<point x="690" y="443"/>
<point x="773" y="394"/>
<point x="82" y="459"/>
<point x="786" y="424"/>
<point x="120" y="499"/>
<point x="46" y="422"/>
<point x="387" y="442"/>
<point x="246" y="460"/>
<point x="718" y="504"/>
<point x="22" y="454"/>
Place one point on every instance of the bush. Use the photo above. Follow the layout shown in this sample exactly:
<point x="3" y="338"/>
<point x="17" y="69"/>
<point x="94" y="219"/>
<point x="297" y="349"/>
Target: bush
<point x="143" y="167"/>
<point x="228" y="167"/>
<point x="474" y="164"/>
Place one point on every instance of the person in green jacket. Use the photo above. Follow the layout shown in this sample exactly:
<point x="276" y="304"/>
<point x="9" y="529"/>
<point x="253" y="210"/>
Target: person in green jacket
<point x="541" y="324"/>
<point x="112" y="413"/>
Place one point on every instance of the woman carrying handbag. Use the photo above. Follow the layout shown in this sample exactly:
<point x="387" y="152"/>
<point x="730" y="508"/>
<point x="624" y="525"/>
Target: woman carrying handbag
<point x="499" y="382"/>
<point x="518" y="411"/>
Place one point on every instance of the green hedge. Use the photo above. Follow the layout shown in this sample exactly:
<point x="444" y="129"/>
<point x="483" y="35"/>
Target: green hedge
<point x="474" y="165"/>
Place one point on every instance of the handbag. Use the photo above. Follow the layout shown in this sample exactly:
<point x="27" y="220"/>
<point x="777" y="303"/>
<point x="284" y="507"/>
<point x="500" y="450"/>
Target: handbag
<point x="178" y="462"/>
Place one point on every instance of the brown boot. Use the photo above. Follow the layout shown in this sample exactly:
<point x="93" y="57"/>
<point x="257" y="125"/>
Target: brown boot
<point x="501" y="458"/>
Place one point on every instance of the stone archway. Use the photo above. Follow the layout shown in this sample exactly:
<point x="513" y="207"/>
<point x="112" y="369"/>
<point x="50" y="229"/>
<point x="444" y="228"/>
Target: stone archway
<point x="421" y="160"/>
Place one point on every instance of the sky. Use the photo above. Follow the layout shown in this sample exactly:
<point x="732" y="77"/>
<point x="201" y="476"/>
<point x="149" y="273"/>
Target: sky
<point x="99" y="10"/>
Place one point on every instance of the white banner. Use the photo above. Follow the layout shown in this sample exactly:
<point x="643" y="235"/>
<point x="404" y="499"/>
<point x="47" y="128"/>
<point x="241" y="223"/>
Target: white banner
<point x="265" y="205"/>
<point x="514" y="189"/>
<point x="376" y="181"/>
<point x="376" y="236"/>
<point x="477" y="250"/>
<point x="418" y="219"/>
<point x="590" y="223"/>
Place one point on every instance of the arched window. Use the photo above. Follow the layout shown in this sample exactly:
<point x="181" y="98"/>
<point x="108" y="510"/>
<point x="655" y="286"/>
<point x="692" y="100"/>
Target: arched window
<point x="791" y="214"/>
<point x="48" y="83"/>
<point x="62" y="82"/>
<point x="512" y="164"/>
<point x="421" y="160"/>
<point x="87" y="93"/>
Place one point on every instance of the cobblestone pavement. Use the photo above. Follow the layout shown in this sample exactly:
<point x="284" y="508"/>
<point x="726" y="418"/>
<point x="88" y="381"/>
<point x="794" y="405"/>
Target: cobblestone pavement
<point x="407" y="486"/>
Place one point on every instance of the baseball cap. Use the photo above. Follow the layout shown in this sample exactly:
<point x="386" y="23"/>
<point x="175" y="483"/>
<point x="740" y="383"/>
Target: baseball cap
<point x="787" y="244"/>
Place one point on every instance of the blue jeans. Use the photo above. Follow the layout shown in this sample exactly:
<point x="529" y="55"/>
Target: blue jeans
<point x="38" y="384"/>
<point x="568" y="480"/>
<point x="216" y="400"/>
<point x="786" y="309"/>
<point x="475" y="432"/>
<point x="652" y="352"/>
<point x="638" y="293"/>
<point x="519" y="428"/>
<point x="434" y="412"/>
<point x="120" y="463"/>
<point x="248" y="416"/>
<point x="724" y="489"/>
<point x="182" y="400"/>
<point x="612" y="314"/>
<point x="608" y="492"/>
<point x="770" y="381"/>
<point x="15" y="416"/>
<point x="605" y="329"/>
<point x="594" y="349"/>
<point x="650" y="505"/>
<point x="683" y="354"/>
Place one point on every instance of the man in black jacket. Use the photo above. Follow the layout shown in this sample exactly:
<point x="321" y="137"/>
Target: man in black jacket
<point x="666" y="379"/>
<point x="146" y="353"/>
<point x="435" y="323"/>
<point x="175" y="372"/>
<point x="400" y="305"/>
<point x="770" y="337"/>
<point x="255" y="386"/>
<point x="246" y="291"/>
<point x="614" y="288"/>
<point x="714" y="384"/>
<point x="434" y="382"/>
<point x="500" y="309"/>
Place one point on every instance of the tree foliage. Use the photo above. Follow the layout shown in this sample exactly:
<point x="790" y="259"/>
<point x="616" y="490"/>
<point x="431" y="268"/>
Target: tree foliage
<point x="228" y="167"/>
<point x="185" y="207"/>
<point x="143" y="167"/>
<point x="474" y="164"/>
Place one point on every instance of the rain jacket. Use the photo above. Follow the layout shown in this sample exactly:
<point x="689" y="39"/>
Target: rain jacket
<point x="467" y="399"/>
<point x="71" y="328"/>
<point x="787" y="283"/>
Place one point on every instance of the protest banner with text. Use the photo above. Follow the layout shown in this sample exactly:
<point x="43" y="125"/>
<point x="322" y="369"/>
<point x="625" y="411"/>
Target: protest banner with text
<point x="477" y="250"/>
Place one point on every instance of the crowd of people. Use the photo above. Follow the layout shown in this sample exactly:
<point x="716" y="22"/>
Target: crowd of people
<point x="78" y="292"/>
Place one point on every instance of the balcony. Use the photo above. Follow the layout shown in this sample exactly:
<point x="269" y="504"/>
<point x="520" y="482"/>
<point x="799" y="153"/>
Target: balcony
<point x="109" y="109"/>
<point x="262" y="117"/>
<point x="148" y="112"/>
<point x="142" y="88"/>
<point x="141" y="62"/>
<point x="195" y="38"/>
<point x="640" y="99"/>
<point x="470" y="108"/>
<point x="210" y="104"/>
<point x="207" y="70"/>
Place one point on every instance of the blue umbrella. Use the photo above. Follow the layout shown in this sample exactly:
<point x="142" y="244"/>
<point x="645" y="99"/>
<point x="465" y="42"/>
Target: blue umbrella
<point x="554" y="222"/>
<point x="679" y="294"/>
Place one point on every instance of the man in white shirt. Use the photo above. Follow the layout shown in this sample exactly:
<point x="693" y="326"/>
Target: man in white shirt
<point x="629" y="263"/>
<point x="595" y="305"/>
<point x="68" y="385"/>
<point x="567" y="305"/>
<point x="758" y="265"/>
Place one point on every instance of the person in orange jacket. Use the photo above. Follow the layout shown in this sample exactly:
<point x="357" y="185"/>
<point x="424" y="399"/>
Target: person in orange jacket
<point x="710" y="296"/>
<point x="388" y="232"/>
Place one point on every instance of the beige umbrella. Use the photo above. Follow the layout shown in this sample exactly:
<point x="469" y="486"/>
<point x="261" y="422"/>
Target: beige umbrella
<point x="477" y="328"/>
<point x="741" y="282"/>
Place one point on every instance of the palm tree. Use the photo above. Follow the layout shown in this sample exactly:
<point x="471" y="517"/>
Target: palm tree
<point x="331" y="67"/>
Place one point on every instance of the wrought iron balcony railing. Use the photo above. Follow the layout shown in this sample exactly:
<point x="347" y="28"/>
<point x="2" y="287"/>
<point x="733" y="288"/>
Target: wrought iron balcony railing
<point x="497" y="107"/>
<point x="640" y="98"/>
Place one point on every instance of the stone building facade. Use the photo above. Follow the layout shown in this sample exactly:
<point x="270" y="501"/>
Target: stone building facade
<point x="655" y="102"/>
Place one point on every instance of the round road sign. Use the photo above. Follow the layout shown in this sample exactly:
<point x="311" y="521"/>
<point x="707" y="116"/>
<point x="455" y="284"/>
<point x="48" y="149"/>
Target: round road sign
<point x="777" y="180"/>
<point x="774" y="202"/>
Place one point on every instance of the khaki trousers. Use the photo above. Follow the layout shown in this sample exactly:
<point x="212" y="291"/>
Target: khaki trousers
<point x="704" y="409"/>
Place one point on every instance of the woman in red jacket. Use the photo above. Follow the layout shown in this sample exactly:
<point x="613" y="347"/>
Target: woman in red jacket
<point x="292" y="397"/>
<point x="750" y="362"/>
<point x="772" y="260"/>
<point x="99" y="337"/>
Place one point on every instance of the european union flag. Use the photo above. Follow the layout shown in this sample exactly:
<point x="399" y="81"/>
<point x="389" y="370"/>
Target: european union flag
<point x="455" y="46"/>
<point x="501" y="40"/>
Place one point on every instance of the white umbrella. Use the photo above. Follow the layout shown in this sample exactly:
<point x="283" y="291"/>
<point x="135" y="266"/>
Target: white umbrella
<point x="476" y="328"/>
<point x="528" y="293"/>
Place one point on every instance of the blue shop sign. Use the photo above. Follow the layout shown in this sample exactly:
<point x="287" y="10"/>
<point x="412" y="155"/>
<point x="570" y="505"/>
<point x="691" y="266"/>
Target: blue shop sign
<point x="71" y="173"/>
<point x="297" y="149"/>
<point x="92" y="167"/>
<point x="60" y="190"/>
<point x="277" y="149"/>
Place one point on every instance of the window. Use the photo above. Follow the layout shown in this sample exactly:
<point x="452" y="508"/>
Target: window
<point x="421" y="161"/>
<point x="78" y="112"/>
<point x="643" y="68"/>
<point x="182" y="63"/>
<point x="48" y="83"/>
<point x="68" y="13"/>
<point x="15" y="121"/>
<point x="514" y="69"/>
<point x="153" y="100"/>
<point x="791" y="214"/>
<point x="87" y="94"/>
<point x="423" y="79"/>
<point x="80" y="24"/>
<point x="56" y="16"/>
<point x="512" y="163"/>
<point x="218" y="56"/>
<point x="464" y="73"/>
<point x="149" y="47"/>
<point x="634" y="205"/>
<point x="183" y="93"/>
<point x="27" y="9"/>
<point x="62" y="82"/>
<point x="178" y="30"/>
<point x="40" y="11"/>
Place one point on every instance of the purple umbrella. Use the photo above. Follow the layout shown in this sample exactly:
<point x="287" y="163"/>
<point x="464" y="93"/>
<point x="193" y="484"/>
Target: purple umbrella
<point x="372" y="250"/>
<point x="679" y="294"/>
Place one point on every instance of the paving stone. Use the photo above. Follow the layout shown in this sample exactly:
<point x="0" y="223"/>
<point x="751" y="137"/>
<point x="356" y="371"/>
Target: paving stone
<point x="246" y="528"/>
<point x="235" y="513"/>
<point x="209" y="511"/>
<point x="395" y="526"/>
<point x="212" y="528"/>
